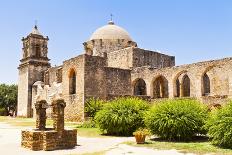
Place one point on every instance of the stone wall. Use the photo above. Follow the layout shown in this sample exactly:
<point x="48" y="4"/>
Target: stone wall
<point x="121" y="58"/>
<point x="100" y="46"/>
<point x="142" y="57"/>
<point x="28" y="75"/>
<point x="133" y="57"/>
<point x="74" y="110"/>
<point x="22" y="107"/>
<point x="94" y="79"/>
<point x="52" y="75"/>
<point x="218" y="71"/>
<point x="118" y="82"/>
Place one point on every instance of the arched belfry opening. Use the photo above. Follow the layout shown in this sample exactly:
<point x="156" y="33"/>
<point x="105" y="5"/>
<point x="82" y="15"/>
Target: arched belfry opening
<point x="140" y="87"/>
<point x="72" y="82"/>
<point x="160" y="87"/>
<point x="185" y="86"/>
<point x="206" y="85"/>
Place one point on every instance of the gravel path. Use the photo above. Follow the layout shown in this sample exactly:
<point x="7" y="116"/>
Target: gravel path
<point x="10" y="138"/>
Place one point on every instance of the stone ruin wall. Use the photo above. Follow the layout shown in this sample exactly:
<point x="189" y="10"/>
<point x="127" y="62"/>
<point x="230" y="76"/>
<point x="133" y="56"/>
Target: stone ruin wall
<point x="53" y="74"/>
<point x="219" y="72"/>
<point x="142" y="57"/>
<point x="74" y="110"/>
<point x="105" y="82"/>
<point x="118" y="82"/>
<point x="121" y="58"/>
<point x="94" y="80"/>
<point x="133" y="57"/>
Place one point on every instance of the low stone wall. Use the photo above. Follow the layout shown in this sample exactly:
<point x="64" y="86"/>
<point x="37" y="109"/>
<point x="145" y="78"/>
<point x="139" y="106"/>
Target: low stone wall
<point x="48" y="140"/>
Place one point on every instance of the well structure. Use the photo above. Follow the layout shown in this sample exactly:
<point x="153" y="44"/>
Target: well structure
<point x="43" y="138"/>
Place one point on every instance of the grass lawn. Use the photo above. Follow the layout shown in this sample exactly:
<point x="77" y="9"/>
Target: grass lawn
<point x="30" y="122"/>
<point x="198" y="147"/>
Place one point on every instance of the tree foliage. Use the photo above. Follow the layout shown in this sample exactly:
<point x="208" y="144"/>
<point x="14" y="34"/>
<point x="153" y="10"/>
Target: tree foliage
<point x="8" y="98"/>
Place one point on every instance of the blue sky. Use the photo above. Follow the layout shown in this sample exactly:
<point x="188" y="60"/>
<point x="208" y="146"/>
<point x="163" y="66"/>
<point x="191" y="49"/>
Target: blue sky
<point x="191" y="30"/>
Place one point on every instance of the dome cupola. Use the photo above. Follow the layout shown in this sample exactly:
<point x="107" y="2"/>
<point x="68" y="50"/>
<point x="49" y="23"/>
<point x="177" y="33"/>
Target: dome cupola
<point x="111" y="32"/>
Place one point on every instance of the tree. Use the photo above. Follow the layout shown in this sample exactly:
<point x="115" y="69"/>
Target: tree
<point x="8" y="98"/>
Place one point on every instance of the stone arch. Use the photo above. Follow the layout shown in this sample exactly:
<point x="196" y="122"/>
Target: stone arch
<point x="72" y="81"/>
<point x="206" y="82"/>
<point x="205" y="85"/>
<point x="185" y="86"/>
<point x="160" y="87"/>
<point x="177" y="83"/>
<point x="139" y="87"/>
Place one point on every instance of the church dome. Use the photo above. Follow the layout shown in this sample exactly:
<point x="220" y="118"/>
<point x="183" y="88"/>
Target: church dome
<point x="111" y="31"/>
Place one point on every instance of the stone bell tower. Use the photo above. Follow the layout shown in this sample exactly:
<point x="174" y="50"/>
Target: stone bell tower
<point x="33" y="64"/>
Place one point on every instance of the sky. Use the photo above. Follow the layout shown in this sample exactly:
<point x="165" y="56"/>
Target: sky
<point x="190" y="30"/>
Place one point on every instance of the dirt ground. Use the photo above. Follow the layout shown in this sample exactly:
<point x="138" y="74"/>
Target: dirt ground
<point x="10" y="138"/>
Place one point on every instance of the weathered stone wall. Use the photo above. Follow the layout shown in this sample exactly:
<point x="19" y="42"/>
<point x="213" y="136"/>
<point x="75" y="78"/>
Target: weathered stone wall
<point x="118" y="82"/>
<point x="100" y="46"/>
<point x="154" y="59"/>
<point x="74" y="110"/>
<point x="94" y="78"/>
<point x="28" y="75"/>
<point x="48" y="140"/>
<point x="121" y="58"/>
<point x="53" y="75"/>
<point x="133" y="57"/>
<point x="23" y="92"/>
<point x="43" y="138"/>
<point x="219" y="72"/>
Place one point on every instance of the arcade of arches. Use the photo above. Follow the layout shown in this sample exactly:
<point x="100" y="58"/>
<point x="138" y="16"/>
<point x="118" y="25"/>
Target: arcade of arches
<point x="160" y="86"/>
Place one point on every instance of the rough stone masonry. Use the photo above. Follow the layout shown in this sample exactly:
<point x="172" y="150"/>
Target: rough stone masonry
<point x="43" y="138"/>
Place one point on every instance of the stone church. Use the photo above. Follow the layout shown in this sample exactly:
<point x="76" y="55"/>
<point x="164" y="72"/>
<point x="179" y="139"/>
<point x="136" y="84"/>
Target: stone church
<point x="113" y="65"/>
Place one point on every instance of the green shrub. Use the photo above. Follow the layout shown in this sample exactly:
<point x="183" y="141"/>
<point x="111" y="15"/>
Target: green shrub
<point x="92" y="106"/>
<point x="178" y="119"/>
<point x="122" y="116"/>
<point x="219" y="126"/>
<point x="87" y="124"/>
<point x="3" y="112"/>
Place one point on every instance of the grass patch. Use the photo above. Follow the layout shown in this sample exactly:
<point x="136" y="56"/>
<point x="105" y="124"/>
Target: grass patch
<point x="30" y="122"/>
<point x="200" y="147"/>
<point x="89" y="132"/>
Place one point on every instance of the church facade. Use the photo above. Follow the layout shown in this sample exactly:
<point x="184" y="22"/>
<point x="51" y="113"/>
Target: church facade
<point x="113" y="65"/>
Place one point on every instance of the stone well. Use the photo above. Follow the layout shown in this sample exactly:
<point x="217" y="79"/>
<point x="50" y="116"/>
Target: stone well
<point x="43" y="138"/>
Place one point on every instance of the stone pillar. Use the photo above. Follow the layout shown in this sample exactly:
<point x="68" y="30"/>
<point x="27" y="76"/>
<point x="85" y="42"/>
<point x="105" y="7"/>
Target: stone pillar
<point x="40" y="107"/>
<point x="58" y="114"/>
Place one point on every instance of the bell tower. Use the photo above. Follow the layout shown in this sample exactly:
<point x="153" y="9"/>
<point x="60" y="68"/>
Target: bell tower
<point x="31" y="69"/>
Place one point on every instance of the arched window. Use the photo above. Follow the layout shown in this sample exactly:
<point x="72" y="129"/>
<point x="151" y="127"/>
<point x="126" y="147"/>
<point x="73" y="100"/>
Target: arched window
<point x="72" y="82"/>
<point x="186" y="86"/>
<point x="206" y="85"/>
<point x="140" y="87"/>
<point x="160" y="87"/>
